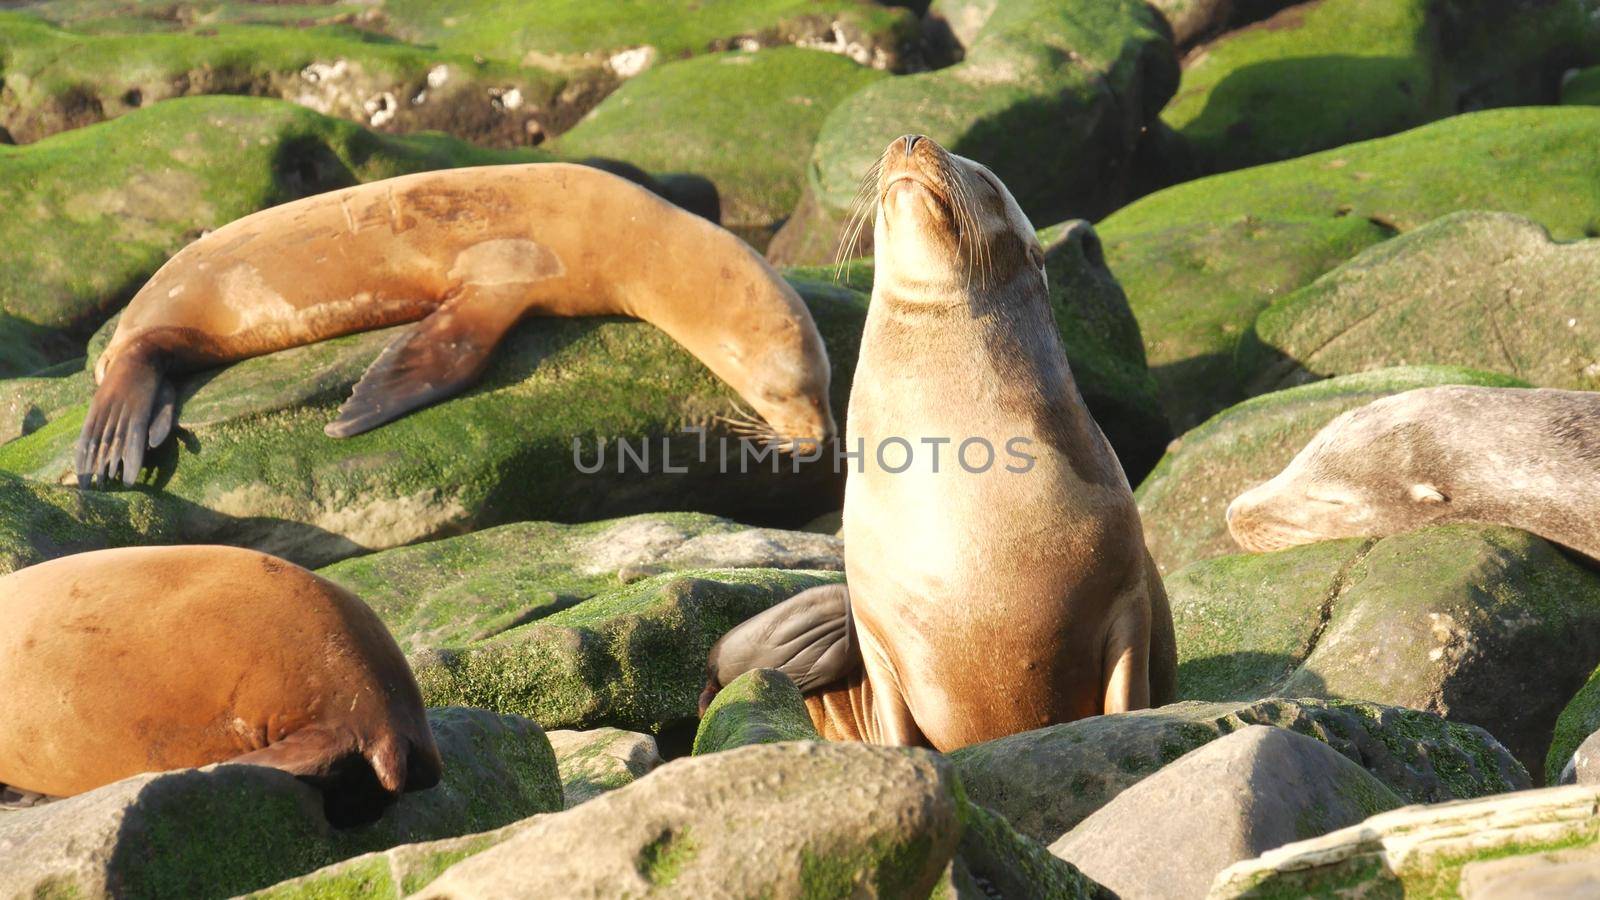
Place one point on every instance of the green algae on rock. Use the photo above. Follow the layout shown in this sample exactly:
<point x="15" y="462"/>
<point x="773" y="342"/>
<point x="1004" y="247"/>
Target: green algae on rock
<point x="57" y="80"/>
<point x="1059" y="136"/>
<point x="224" y="830"/>
<point x="761" y="706"/>
<point x="1201" y="260"/>
<point x="1492" y="847"/>
<point x="600" y="760"/>
<point x="631" y="658"/>
<point x="1324" y="74"/>
<point x="39" y="522"/>
<point x="1579" y="719"/>
<point x="250" y="458"/>
<point x="1485" y="625"/>
<point x="1183" y="501"/>
<point x="460" y="590"/>
<point x="768" y="104"/>
<point x="1475" y="289"/>
<point x="1415" y="754"/>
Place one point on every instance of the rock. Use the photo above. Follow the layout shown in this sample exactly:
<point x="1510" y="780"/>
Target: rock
<point x="634" y="657"/>
<point x="1086" y="763"/>
<point x="1481" y="624"/>
<point x="44" y="521"/>
<point x="1183" y="501"/>
<point x="1583" y="767"/>
<point x="1407" y="300"/>
<point x="1533" y="839"/>
<point x="30" y="403"/>
<point x="253" y="468"/>
<point x="1296" y="83"/>
<point x="224" y="830"/>
<point x="1201" y="260"/>
<point x="60" y="79"/>
<point x="1582" y="88"/>
<point x="1060" y="136"/>
<point x="25" y="348"/>
<point x="395" y="872"/>
<point x="593" y="762"/>
<point x="830" y="820"/>
<point x="766" y="105"/>
<point x="761" y="706"/>
<point x="459" y="590"/>
<point x="1578" y="722"/>
<point x="1196" y="20"/>
<point x="1235" y="798"/>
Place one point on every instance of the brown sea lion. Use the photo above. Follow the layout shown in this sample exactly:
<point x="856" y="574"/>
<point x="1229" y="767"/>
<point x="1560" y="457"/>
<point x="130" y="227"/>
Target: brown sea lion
<point x="986" y="599"/>
<point x="145" y="659"/>
<point x="1501" y="456"/>
<point x="469" y="252"/>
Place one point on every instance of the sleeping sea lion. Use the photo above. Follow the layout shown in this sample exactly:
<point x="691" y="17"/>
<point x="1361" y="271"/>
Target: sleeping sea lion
<point x="469" y="252"/>
<point x="1501" y="456"/>
<point x="1003" y="584"/>
<point x="145" y="659"/>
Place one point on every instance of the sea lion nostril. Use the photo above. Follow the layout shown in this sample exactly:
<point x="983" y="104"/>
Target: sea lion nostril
<point x="911" y="141"/>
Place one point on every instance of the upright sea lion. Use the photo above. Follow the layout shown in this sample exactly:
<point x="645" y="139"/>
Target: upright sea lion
<point x="146" y="659"/>
<point x="986" y="599"/>
<point x="1502" y="456"/>
<point x="469" y="252"/>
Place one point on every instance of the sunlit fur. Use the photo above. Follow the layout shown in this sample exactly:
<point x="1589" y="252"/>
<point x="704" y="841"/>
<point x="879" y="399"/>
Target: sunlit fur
<point x="1524" y="458"/>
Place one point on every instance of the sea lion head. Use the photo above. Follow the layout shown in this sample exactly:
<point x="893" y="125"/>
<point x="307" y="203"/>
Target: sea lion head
<point x="946" y="224"/>
<point x="1376" y="470"/>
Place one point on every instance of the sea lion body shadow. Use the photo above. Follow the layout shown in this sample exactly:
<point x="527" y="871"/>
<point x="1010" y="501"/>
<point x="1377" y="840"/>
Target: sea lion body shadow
<point x="1526" y="458"/>
<point x="147" y="659"/>
<point x="981" y="603"/>
<point x="469" y="252"/>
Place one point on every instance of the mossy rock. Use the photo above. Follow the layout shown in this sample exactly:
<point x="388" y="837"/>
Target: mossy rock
<point x="1487" y="625"/>
<point x="1193" y="21"/>
<point x="600" y="760"/>
<point x="1183" y="501"/>
<point x="130" y="192"/>
<point x="634" y="657"/>
<point x="58" y="79"/>
<point x="1320" y="75"/>
<point x="761" y="706"/>
<point x="1045" y="782"/>
<point x="1583" y="88"/>
<point x="460" y="590"/>
<point x="1200" y="261"/>
<point x="1061" y="137"/>
<point x="1476" y="289"/>
<point x="26" y="347"/>
<point x="1529" y="844"/>
<point x="39" y="522"/>
<point x="560" y="33"/>
<point x="1577" y="721"/>
<point x="225" y="830"/>
<point x="736" y="118"/>
<point x="251" y="461"/>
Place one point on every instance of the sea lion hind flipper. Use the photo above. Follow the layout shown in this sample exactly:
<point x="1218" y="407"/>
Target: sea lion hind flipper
<point x="117" y="429"/>
<point x="808" y="637"/>
<point x="357" y="782"/>
<point x="437" y="358"/>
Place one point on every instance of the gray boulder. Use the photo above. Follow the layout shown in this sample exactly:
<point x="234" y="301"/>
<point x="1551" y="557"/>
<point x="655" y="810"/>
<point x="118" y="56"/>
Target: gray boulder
<point x="1235" y="798"/>
<point x="593" y="762"/>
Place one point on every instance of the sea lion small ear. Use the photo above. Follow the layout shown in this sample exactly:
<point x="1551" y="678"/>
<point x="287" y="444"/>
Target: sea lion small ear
<point x="1427" y="493"/>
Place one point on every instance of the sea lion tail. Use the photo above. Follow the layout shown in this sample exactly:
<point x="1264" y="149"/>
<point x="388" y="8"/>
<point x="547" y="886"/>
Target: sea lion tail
<point x="132" y="410"/>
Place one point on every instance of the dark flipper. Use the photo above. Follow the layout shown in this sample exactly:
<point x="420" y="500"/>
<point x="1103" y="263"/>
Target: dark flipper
<point x="118" y="428"/>
<point x="357" y="782"/>
<point x="808" y="637"/>
<point x="437" y="358"/>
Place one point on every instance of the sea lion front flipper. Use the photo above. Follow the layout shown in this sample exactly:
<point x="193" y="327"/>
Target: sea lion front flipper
<point x="437" y="358"/>
<point x="117" y="429"/>
<point x="808" y="637"/>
